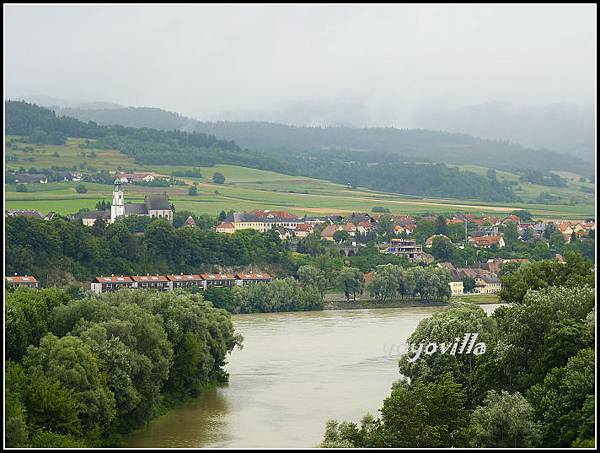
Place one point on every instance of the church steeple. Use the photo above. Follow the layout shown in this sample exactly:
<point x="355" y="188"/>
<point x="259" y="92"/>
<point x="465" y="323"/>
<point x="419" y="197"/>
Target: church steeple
<point x="118" y="202"/>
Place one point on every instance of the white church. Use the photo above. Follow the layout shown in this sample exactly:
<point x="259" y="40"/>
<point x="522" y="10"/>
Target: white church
<point x="154" y="205"/>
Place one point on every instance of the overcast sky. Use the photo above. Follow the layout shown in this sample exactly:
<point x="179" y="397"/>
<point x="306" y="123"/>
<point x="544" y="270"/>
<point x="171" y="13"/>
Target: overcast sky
<point x="214" y="61"/>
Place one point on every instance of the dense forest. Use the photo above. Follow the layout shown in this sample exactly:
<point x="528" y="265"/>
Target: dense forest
<point x="420" y="144"/>
<point x="390" y="173"/>
<point x="80" y="373"/>
<point x="533" y="386"/>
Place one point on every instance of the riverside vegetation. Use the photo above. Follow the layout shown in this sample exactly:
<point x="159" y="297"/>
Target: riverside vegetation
<point x="79" y="373"/>
<point x="534" y="386"/>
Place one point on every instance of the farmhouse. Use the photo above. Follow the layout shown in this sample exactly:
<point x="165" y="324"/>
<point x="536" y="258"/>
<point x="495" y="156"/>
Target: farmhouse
<point x="129" y="178"/>
<point x="22" y="280"/>
<point x="25" y="178"/>
<point x="90" y="218"/>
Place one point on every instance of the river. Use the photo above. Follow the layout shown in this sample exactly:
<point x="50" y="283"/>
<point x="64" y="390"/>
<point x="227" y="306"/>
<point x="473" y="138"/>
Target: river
<point x="295" y="371"/>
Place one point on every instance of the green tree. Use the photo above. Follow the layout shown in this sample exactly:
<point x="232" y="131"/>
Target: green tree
<point x="352" y="280"/>
<point x="193" y="191"/>
<point x="313" y="276"/>
<point x="218" y="178"/>
<point x="69" y="361"/>
<point x="21" y="188"/>
<point x="541" y="274"/>
<point x="442" y="249"/>
<point x="341" y="236"/>
<point x="80" y="188"/>
<point x="504" y="421"/>
<point x="441" y="226"/>
<point x="468" y="284"/>
<point x="564" y="402"/>
<point x="423" y="415"/>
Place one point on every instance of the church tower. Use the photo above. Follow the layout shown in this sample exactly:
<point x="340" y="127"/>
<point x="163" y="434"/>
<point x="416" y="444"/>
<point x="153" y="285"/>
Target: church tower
<point x="118" y="203"/>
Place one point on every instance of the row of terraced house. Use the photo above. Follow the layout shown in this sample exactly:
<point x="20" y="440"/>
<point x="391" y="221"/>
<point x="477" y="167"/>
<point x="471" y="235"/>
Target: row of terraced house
<point x="104" y="284"/>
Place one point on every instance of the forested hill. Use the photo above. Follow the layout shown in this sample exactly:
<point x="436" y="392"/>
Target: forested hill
<point x="146" y="145"/>
<point x="423" y="145"/>
<point x="375" y="170"/>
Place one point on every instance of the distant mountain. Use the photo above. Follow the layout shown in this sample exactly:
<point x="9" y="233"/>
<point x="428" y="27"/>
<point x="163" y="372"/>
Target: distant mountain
<point x="421" y="144"/>
<point x="567" y="128"/>
<point x="58" y="104"/>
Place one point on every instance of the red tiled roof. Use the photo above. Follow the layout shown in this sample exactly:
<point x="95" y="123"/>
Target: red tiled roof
<point x="184" y="278"/>
<point x="225" y="225"/>
<point x="304" y="227"/>
<point x="486" y="239"/>
<point x="263" y="276"/>
<point x="366" y="225"/>
<point x="218" y="276"/>
<point x="149" y="278"/>
<point x="21" y="279"/>
<point x="349" y="227"/>
<point x="329" y="231"/>
<point x="114" y="279"/>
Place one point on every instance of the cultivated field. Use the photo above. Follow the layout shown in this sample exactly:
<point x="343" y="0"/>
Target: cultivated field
<point x="244" y="189"/>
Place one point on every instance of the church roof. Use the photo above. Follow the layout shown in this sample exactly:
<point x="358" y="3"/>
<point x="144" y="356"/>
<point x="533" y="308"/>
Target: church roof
<point x="135" y="209"/>
<point x="157" y="202"/>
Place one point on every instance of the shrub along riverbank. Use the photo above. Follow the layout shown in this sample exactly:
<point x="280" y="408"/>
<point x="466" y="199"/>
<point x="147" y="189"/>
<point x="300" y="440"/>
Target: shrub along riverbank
<point x="79" y="373"/>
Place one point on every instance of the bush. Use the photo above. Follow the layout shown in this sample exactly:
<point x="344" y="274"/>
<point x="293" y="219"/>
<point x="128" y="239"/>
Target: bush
<point x="218" y="178"/>
<point x="81" y="188"/>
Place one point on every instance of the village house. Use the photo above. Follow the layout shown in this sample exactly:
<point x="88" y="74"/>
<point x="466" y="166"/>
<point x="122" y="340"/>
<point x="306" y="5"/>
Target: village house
<point x="218" y="280"/>
<point x="27" y="178"/>
<point x="487" y="241"/>
<point x="225" y="227"/>
<point x="303" y="230"/>
<point x="252" y="279"/>
<point x="407" y="248"/>
<point x="106" y="284"/>
<point x="494" y="265"/>
<point x="24" y="212"/>
<point x="365" y="227"/>
<point x="328" y="232"/>
<point x="130" y="178"/>
<point x="185" y="281"/>
<point x="261" y="220"/>
<point x="158" y="282"/>
<point x="349" y="228"/>
<point x="189" y="222"/>
<point x="487" y="284"/>
<point x="511" y="218"/>
<point x="21" y="280"/>
<point x="89" y="218"/>
<point x="456" y="284"/>
<point x="485" y="231"/>
<point x="285" y="233"/>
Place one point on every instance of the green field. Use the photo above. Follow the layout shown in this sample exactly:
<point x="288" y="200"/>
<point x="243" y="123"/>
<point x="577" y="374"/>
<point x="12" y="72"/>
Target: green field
<point x="244" y="189"/>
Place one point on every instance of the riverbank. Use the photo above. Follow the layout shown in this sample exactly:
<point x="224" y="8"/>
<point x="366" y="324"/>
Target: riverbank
<point x="336" y="304"/>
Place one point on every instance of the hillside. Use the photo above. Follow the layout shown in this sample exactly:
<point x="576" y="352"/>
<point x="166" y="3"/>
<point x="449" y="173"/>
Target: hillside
<point x="381" y="171"/>
<point x="419" y="144"/>
<point x="247" y="188"/>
